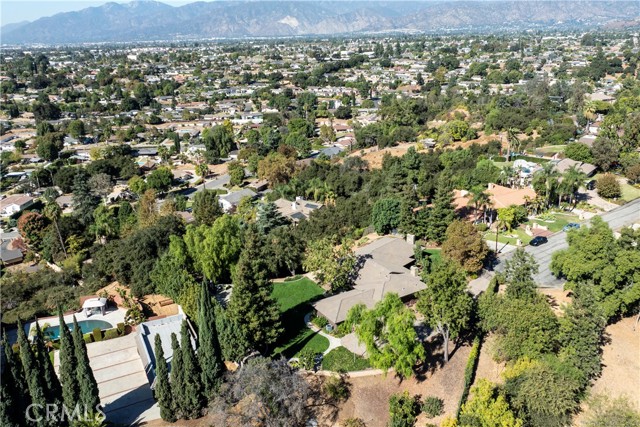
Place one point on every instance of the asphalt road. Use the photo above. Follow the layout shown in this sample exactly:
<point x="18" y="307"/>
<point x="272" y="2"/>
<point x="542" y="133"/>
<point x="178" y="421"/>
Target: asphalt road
<point x="617" y="218"/>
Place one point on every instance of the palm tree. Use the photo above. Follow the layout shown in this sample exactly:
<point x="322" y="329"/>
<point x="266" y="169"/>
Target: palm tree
<point x="53" y="212"/>
<point x="549" y="175"/>
<point x="572" y="180"/>
<point x="506" y="176"/>
<point x="479" y="198"/>
<point x="514" y="142"/>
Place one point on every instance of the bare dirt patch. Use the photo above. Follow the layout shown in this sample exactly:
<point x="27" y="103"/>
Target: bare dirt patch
<point x="488" y="368"/>
<point x="374" y="155"/>
<point x="370" y="395"/>
<point x="621" y="362"/>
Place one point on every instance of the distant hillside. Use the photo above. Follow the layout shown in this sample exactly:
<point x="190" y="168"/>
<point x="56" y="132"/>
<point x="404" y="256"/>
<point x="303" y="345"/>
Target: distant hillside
<point x="151" y="20"/>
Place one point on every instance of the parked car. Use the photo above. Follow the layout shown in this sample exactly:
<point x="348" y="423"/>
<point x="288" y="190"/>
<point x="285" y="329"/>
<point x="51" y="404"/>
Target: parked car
<point x="570" y="226"/>
<point x="537" y="241"/>
<point x="591" y="185"/>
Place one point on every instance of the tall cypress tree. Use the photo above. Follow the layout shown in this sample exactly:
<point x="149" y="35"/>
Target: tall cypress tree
<point x="68" y="363"/>
<point x="193" y="397"/>
<point x="162" y="390"/>
<point x="33" y="376"/>
<point x="442" y="214"/>
<point x="11" y="393"/>
<point x="177" y="378"/>
<point x="13" y="368"/>
<point x="52" y="388"/>
<point x="209" y="353"/>
<point x="87" y="385"/>
<point x="251" y="304"/>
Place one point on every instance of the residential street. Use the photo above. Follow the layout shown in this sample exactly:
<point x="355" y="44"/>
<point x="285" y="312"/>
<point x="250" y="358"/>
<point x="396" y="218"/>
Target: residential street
<point x="621" y="216"/>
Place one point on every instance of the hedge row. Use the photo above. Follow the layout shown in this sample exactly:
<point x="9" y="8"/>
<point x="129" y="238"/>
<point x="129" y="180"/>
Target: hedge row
<point x="470" y="372"/>
<point x="97" y="334"/>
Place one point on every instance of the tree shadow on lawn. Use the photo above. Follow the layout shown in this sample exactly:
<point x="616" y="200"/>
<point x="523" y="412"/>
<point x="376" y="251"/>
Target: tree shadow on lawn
<point x="296" y="333"/>
<point x="434" y="349"/>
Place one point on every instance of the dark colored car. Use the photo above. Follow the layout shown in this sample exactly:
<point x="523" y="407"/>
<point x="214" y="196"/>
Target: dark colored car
<point x="591" y="185"/>
<point x="537" y="241"/>
<point x="570" y="226"/>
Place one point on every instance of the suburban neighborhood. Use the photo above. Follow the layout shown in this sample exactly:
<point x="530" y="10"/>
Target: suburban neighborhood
<point x="365" y="229"/>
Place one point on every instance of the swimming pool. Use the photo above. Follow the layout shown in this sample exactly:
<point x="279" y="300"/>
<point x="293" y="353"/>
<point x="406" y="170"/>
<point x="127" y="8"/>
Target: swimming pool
<point x="53" y="332"/>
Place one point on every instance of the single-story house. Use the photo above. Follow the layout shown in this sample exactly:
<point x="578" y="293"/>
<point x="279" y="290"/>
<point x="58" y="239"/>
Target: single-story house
<point x="387" y="266"/>
<point x="11" y="249"/>
<point x="14" y="204"/>
<point x="230" y="201"/>
<point x="565" y="164"/>
<point x="296" y="210"/>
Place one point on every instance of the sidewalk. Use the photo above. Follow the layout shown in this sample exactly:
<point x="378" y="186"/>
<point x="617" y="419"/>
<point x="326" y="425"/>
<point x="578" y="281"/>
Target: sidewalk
<point x="333" y="341"/>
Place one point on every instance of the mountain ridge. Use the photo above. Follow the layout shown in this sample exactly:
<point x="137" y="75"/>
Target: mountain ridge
<point x="150" y="20"/>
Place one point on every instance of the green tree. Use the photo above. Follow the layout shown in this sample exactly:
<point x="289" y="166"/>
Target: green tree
<point x="608" y="186"/>
<point x="206" y="207"/>
<point x="284" y="250"/>
<point x="15" y="393"/>
<point x="137" y="184"/>
<point x="441" y="215"/>
<point x="233" y="341"/>
<point x="543" y="392"/>
<point x="84" y="202"/>
<point x="49" y="145"/>
<point x="162" y="390"/>
<point x="605" y="152"/>
<point x="76" y="128"/>
<point x="209" y="353"/>
<point x="445" y="303"/>
<point x="385" y="215"/>
<point x="403" y="410"/>
<point x="33" y="376"/>
<point x="88" y="387"/>
<point x="388" y="334"/>
<point x="214" y="250"/>
<point x="488" y="407"/>
<point x="52" y="388"/>
<point x="269" y="217"/>
<point x="251" y="305"/>
<point x="193" y="397"/>
<point x="333" y="266"/>
<point x="578" y="152"/>
<point x="519" y="272"/>
<point x="170" y="274"/>
<point x="68" y="366"/>
<point x="236" y="172"/>
<point x="595" y="258"/>
<point x="523" y="327"/>
<point x="581" y="332"/>
<point x="147" y="209"/>
<point x="465" y="246"/>
<point x="160" y="179"/>
<point x="177" y="378"/>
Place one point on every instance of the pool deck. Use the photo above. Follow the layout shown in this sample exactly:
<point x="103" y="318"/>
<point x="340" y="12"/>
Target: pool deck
<point x="112" y="316"/>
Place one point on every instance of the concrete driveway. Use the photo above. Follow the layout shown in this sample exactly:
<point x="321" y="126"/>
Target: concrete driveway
<point x="124" y="389"/>
<point x="617" y="218"/>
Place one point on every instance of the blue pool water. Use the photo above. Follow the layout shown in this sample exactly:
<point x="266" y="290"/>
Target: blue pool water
<point x="86" y="326"/>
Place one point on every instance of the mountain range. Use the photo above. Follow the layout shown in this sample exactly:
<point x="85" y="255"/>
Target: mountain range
<point x="149" y="20"/>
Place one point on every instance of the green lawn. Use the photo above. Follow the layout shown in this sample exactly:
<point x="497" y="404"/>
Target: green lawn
<point x="434" y="255"/>
<point x="341" y="359"/>
<point x="629" y="192"/>
<point x="552" y="149"/>
<point x="294" y="299"/>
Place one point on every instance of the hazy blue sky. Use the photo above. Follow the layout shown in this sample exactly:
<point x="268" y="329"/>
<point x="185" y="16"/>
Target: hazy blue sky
<point x="29" y="10"/>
